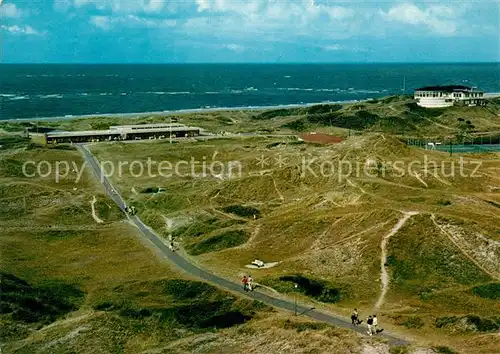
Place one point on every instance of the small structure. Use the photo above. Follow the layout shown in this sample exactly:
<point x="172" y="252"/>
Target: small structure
<point x="258" y="263"/>
<point x="446" y="96"/>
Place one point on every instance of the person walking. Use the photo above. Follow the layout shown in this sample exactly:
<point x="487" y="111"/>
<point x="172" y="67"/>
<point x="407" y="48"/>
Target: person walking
<point x="354" y="317"/>
<point x="250" y="283"/>
<point x="375" y="323"/>
<point x="245" y="283"/>
<point x="369" y="323"/>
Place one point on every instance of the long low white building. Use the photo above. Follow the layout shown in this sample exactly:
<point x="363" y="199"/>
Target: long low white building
<point x="123" y="132"/>
<point x="446" y="96"/>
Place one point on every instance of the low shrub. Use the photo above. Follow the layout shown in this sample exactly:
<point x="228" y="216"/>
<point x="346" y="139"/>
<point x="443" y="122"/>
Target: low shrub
<point x="487" y="291"/>
<point x="218" y="242"/>
<point x="243" y="211"/>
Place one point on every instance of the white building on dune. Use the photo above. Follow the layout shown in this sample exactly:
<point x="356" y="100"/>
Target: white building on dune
<point x="446" y="96"/>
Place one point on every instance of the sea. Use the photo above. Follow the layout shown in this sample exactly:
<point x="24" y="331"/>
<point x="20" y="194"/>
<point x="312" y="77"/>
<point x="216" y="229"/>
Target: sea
<point x="53" y="90"/>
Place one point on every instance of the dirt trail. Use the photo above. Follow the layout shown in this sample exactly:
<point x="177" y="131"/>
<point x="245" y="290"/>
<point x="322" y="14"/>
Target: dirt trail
<point x="94" y="215"/>
<point x="383" y="258"/>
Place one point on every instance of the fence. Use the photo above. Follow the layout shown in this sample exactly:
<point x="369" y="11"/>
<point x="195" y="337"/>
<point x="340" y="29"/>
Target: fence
<point x="475" y="144"/>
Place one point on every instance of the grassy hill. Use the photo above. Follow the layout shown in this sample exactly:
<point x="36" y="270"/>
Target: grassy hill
<point x="75" y="278"/>
<point x="329" y="231"/>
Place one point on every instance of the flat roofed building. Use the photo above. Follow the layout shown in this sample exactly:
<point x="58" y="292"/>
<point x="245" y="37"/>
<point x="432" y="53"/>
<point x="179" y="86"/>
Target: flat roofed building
<point x="446" y="96"/>
<point x="145" y="126"/>
<point x="123" y="133"/>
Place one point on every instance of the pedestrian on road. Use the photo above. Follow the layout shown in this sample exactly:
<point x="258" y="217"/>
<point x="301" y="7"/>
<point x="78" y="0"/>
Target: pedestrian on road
<point x="250" y="283"/>
<point x="354" y="317"/>
<point x="245" y="283"/>
<point x="171" y="246"/>
<point x="375" y="323"/>
<point x="369" y="322"/>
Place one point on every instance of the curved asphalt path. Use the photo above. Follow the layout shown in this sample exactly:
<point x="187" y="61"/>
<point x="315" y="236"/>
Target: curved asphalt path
<point x="200" y="273"/>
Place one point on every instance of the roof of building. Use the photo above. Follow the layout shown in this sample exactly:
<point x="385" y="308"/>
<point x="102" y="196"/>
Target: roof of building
<point x="115" y="132"/>
<point x="321" y="138"/>
<point x="147" y="126"/>
<point x="446" y="88"/>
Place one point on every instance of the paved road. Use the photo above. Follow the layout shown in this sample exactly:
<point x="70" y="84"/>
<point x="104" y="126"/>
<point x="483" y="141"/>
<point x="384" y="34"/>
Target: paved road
<point x="203" y="274"/>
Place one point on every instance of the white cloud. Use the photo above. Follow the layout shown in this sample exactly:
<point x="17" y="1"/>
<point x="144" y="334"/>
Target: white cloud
<point x="9" y="10"/>
<point x="24" y="30"/>
<point x="333" y="47"/>
<point x="102" y="22"/>
<point x="123" y="6"/>
<point x="438" y="18"/>
<point x="62" y="5"/>
<point x="234" y="47"/>
<point x="108" y="22"/>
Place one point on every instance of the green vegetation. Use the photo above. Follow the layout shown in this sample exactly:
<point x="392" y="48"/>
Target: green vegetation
<point x="243" y="211"/>
<point x="13" y="142"/>
<point x="487" y="291"/>
<point x="444" y="350"/>
<point x="296" y="125"/>
<point x="413" y="322"/>
<point x="469" y="323"/>
<point x="204" y="225"/>
<point x="301" y="326"/>
<point x="399" y="350"/>
<point x="42" y="304"/>
<point x="320" y="290"/>
<point x="218" y="242"/>
<point x="194" y="305"/>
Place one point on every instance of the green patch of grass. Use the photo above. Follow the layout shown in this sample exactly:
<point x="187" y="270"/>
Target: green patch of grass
<point x="10" y="167"/>
<point x="43" y="303"/>
<point x="243" y="211"/>
<point x="399" y="350"/>
<point x="487" y="291"/>
<point x="415" y="264"/>
<point x="13" y="142"/>
<point x="444" y="350"/>
<point x="218" y="242"/>
<point x="444" y="202"/>
<point x="413" y="322"/>
<point x="304" y="326"/>
<point x="469" y="323"/>
<point x="194" y="305"/>
<point x="320" y="290"/>
<point x="296" y="125"/>
<point x="187" y="290"/>
<point x="107" y="211"/>
<point x="204" y="226"/>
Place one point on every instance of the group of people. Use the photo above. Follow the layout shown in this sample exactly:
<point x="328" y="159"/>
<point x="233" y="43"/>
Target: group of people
<point x="371" y="321"/>
<point x="247" y="283"/>
<point x="130" y="210"/>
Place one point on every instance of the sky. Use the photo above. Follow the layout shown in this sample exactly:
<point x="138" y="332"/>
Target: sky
<point x="248" y="31"/>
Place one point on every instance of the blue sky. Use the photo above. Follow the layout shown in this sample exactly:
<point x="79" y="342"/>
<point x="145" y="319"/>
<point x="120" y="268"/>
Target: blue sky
<point x="173" y="31"/>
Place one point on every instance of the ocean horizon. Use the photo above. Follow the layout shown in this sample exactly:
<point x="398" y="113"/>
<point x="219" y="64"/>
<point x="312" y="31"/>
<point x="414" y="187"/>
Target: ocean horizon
<point x="57" y="90"/>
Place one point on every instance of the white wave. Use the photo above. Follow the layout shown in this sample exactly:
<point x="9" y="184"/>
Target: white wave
<point x="7" y="95"/>
<point x="212" y="92"/>
<point x="123" y="94"/>
<point x="56" y="95"/>
<point x="294" y="89"/>
<point x="251" y="88"/>
<point x="105" y="94"/>
<point x="83" y="94"/>
<point x="287" y="76"/>
<point x="236" y="91"/>
<point x="16" y="98"/>
<point x="170" y="92"/>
